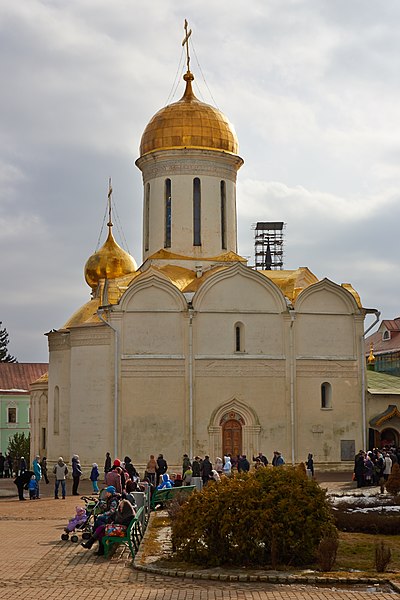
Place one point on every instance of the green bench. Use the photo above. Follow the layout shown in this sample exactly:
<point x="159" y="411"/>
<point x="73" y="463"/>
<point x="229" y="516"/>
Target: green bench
<point x="132" y="539"/>
<point x="161" y="496"/>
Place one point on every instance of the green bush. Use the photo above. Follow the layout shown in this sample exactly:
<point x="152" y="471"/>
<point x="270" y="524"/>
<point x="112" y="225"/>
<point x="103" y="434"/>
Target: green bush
<point x="272" y="516"/>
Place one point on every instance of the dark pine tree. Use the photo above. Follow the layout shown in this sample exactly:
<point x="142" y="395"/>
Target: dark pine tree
<point x="5" y="356"/>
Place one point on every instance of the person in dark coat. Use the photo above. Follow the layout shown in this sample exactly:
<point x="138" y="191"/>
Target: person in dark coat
<point x="76" y="474"/>
<point x="310" y="464"/>
<point x="359" y="468"/>
<point x="243" y="464"/>
<point x="21" y="481"/>
<point x="130" y="469"/>
<point x="107" y="464"/>
<point x="43" y="464"/>
<point x="206" y="470"/>
<point x="263" y="459"/>
<point x="196" y="466"/>
<point x="162" y="467"/>
<point x="22" y="465"/>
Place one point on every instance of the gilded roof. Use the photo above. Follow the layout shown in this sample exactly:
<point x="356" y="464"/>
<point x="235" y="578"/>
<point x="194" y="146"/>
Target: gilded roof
<point x="225" y="257"/>
<point x="291" y="282"/>
<point x="189" y="123"/>
<point x="85" y="314"/>
<point x="349" y="288"/>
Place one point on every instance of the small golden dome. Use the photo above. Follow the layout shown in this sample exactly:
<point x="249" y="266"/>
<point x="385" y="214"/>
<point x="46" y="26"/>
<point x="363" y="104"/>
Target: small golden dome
<point x="110" y="262"/>
<point x="371" y="357"/>
<point x="189" y="123"/>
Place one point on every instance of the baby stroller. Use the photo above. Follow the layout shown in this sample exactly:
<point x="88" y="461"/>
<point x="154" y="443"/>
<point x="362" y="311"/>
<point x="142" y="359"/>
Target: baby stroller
<point x="94" y="507"/>
<point x="78" y="522"/>
<point x="84" y="518"/>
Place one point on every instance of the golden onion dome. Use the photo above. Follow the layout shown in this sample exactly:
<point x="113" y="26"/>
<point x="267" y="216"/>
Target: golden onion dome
<point x="109" y="262"/>
<point x="371" y="357"/>
<point x="189" y="123"/>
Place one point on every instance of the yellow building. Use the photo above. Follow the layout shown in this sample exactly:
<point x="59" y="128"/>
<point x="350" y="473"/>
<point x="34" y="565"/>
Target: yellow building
<point x="194" y="351"/>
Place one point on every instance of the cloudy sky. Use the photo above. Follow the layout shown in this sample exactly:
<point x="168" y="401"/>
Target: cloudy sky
<point x="312" y="87"/>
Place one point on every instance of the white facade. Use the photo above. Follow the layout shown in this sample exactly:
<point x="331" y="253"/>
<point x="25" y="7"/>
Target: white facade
<point x="198" y="353"/>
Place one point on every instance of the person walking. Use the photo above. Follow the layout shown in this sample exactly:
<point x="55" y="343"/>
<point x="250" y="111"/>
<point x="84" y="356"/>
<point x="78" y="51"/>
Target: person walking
<point x="310" y="464"/>
<point x="60" y="470"/>
<point x="2" y="459"/>
<point x="94" y="475"/>
<point x="107" y="464"/>
<point x="76" y="474"/>
<point x="37" y="469"/>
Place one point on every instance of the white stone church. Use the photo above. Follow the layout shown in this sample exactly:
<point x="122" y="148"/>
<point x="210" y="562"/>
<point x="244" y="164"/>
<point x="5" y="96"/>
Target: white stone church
<point x="194" y="351"/>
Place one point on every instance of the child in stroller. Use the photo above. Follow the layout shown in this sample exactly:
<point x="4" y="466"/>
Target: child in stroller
<point x="78" y="522"/>
<point x="93" y="508"/>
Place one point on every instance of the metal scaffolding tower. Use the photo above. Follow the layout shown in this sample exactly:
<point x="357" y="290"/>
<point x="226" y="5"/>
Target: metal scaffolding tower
<point x="268" y="245"/>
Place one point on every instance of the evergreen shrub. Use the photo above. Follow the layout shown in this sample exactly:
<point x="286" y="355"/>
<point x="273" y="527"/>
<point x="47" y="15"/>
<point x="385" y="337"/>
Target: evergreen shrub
<point x="272" y="516"/>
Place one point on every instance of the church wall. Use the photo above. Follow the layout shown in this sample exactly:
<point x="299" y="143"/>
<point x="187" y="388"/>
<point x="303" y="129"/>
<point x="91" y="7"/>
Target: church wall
<point x="325" y="336"/>
<point x="91" y="393"/>
<point x="154" y="408"/>
<point x="258" y="385"/>
<point x="152" y="333"/>
<point x="378" y="403"/>
<point x="59" y="376"/>
<point x="215" y="334"/>
<point x="240" y="293"/>
<point x="320" y="430"/>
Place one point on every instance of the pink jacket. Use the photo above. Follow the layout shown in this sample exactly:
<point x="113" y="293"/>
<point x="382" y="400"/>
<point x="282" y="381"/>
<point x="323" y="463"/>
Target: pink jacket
<point x="114" y="478"/>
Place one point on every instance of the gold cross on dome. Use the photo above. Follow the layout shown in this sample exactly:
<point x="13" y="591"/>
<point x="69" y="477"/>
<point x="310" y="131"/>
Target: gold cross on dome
<point x="186" y="42"/>
<point x="109" y="224"/>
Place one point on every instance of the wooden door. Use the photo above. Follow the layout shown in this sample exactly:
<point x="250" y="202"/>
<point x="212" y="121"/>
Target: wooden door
<point x="232" y="437"/>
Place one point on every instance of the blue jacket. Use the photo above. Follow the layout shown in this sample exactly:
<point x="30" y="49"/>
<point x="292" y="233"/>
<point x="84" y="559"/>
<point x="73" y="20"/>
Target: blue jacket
<point x="32" y="485"/>
<point x="37" y="469"/>
<point x="94" y="475"/>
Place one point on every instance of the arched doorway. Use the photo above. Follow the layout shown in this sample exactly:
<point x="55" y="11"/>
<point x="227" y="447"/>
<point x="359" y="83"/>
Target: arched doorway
<point x="232" y="442"/>
<point x="389" y="437"/>
<point x="246" y="439"/>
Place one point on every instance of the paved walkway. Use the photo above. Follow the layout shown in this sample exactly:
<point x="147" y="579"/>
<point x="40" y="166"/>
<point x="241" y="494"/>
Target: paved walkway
<point x="36" y="564"/>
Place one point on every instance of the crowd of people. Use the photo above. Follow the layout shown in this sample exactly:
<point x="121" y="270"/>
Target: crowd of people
<point x="373" y="466"/>
<point x="124" y="477"/>
<point x="12" y="467"/>
<point x="119" y="508"/>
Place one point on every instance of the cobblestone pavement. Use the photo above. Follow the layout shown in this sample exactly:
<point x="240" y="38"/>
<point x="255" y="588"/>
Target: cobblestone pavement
<point x="36" y="564"/>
